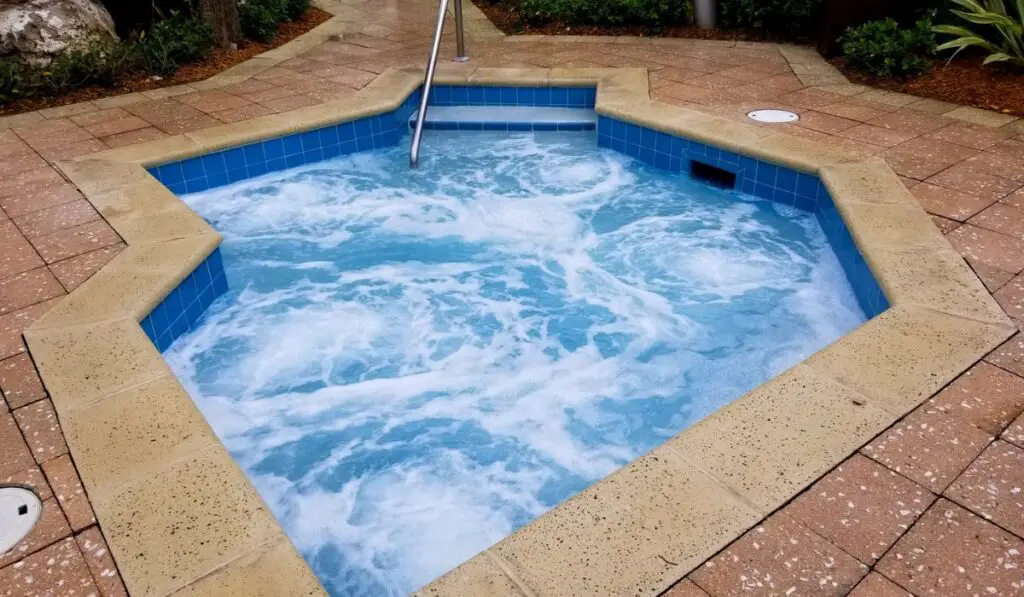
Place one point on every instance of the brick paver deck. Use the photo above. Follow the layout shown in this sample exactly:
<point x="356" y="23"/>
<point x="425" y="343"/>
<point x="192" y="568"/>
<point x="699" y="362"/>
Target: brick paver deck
<point x="933" y="506"/>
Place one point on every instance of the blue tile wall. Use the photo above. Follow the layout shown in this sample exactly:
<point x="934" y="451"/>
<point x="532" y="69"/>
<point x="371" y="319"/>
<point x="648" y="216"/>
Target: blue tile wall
<point x="563" y="97"/>
<point x="183" y="308"/>
<point x="508" y="126"/>
<point x="754" y="177"/>
<point x="238" y="163"/>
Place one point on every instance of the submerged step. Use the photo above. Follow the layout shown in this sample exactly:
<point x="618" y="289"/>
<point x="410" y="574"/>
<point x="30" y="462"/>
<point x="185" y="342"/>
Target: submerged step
<point x="507" y="118"/>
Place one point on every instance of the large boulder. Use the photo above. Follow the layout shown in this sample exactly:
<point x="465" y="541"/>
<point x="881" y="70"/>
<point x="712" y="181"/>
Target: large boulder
<point x="38" y="30"/>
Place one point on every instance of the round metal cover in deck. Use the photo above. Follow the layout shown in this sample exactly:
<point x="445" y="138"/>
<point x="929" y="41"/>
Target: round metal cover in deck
<point x="19" y="512"/>
<point x="774" y="116"/>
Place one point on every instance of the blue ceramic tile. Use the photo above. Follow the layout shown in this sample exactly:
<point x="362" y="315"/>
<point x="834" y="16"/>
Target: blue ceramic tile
<point x="234" y="159"/>
<point x="509" y="96"/>
<point x="253" y="153"/>
<point x="807" y="185"/>
<point x="218" y="179"/>
<point x="170" y="173"/>
<point x="766" y="174"/>
<point x="786" y="180"/>
<point x="213" y="163"/>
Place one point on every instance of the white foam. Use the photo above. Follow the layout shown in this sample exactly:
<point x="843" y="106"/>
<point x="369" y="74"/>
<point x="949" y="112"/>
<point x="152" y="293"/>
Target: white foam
<point x="400" y="412"/>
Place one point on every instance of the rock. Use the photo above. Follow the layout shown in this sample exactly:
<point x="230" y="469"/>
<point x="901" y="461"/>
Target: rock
<point x="38" y="30"/>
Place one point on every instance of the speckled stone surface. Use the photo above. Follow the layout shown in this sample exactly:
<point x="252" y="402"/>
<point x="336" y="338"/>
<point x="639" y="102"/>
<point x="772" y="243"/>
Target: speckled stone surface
<point x="101" y="563"/>
<point x="876" y="585"/>
<point x="985" y="396"/>
<point x="862" y="507"/>
<point x="779" y="557"/>
<point x="57" y="571"/>
<point x="685" y="588"/>
<point x="641" y="528"/>
<point x="951" y="553"/>
<point x="929" y="447"/>
<point x="38" y="423"/>
<point x="1015" y="432"/>
<point x="1010" y="355"/>
<point x="19" y="381"/>
<point x="70" y="494"/>
<point x="993" y="486"/>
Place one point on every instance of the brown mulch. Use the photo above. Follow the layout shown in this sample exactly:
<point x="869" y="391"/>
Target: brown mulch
<point x="219" y="61"/>
<point x="507" y="18"/>
<point x="963" y="81"/>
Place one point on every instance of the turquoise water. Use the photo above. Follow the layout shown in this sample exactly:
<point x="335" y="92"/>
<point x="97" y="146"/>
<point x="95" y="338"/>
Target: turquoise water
<point x="412" y="364"/>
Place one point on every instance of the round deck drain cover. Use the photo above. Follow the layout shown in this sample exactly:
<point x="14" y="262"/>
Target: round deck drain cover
<point x="773" y="116"/>
<point x="19" y="511"/>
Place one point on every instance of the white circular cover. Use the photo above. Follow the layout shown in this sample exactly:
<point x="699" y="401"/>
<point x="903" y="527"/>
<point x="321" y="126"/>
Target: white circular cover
<point x="773" y="116"/>
<point x="19" y="511"/>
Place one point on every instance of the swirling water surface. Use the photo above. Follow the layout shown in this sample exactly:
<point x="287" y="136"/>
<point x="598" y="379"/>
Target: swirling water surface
<point x="411" y="364"/>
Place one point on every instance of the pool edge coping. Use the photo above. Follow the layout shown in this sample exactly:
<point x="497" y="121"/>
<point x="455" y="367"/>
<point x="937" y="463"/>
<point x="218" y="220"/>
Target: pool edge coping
<point x="91" y="354"/>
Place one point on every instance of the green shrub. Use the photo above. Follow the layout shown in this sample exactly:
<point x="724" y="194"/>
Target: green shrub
<point x="609" y="12"/>
<point x="788" y="17"/>
<point x="884" y="49"/>
<point x="296" y="8"/>
<point x="173" y="42"/>
<point x="97" y="61"/>
<point x="14" y="79"/>
<point x="260" y="18"/>
<point x="1003" y="41"/>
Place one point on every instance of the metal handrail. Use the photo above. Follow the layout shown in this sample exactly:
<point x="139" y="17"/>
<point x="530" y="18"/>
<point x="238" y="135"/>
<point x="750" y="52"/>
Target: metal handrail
<point x="428" y="78"/>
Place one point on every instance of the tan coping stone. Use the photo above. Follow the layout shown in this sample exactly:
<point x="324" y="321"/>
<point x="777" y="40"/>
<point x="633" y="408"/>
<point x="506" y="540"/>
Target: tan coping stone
<point x="890" y="224"/>
<point x="844" y="89"/>
<point x="821" y="80"/>
<point x="814" y="68"/>
<point x="133" y="283"/>
<point x="636" y="531"/>
<point x="797" y="153"/>
<point x="118" y="101"/>
<point x="241" y="132"/>
<point x="82" y="363"/>
<point x="251" y="66"/>
<point x="480" y="576"/>
<point x="173" y="223"/>
<point x="587" y="77"/>
<point x="146" y="429"/>
<point x="980" y="117"/>
<point x="166" y="92"/>
<point x="135" y="200"/>
<point x="267" y="571"/>
<point x="869" y="180"/>
<point x="204" y="512"/>
<point x="97" y="176"/>
<point x="809" y="422"/>
<point x="936" y="278"/>
<point x="219" y="81"/>
<point x="7" y="122"/>
<point x="150" y="153"/>
<point x="510" y="76"/>
<point x="68" y="110"/>
<point x="906" y="354"/>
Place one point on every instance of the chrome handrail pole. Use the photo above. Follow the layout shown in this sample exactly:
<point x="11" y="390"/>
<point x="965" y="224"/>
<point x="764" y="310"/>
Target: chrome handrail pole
<point x="460" y="34"/>
<point x="428" y="81"/>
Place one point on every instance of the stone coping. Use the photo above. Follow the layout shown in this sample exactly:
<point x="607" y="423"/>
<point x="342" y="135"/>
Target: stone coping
<point x="181" y="518"/>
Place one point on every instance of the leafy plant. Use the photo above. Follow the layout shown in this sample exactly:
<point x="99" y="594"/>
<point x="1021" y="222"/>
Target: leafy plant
<point x="95" y="61"/>
<point x="14" y="79"/>
<point x="885" y="49"/>
<point x="173" y="42"/>
<point x="1004" y="44"/>
<point x="789" y="17"/>
<point x="260" y="18"/>
<point x="655" y="13"/>
<point x="296" y="8"/>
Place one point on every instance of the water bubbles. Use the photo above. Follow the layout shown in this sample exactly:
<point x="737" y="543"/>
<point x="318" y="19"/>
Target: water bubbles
<point x="411" y="365"/>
